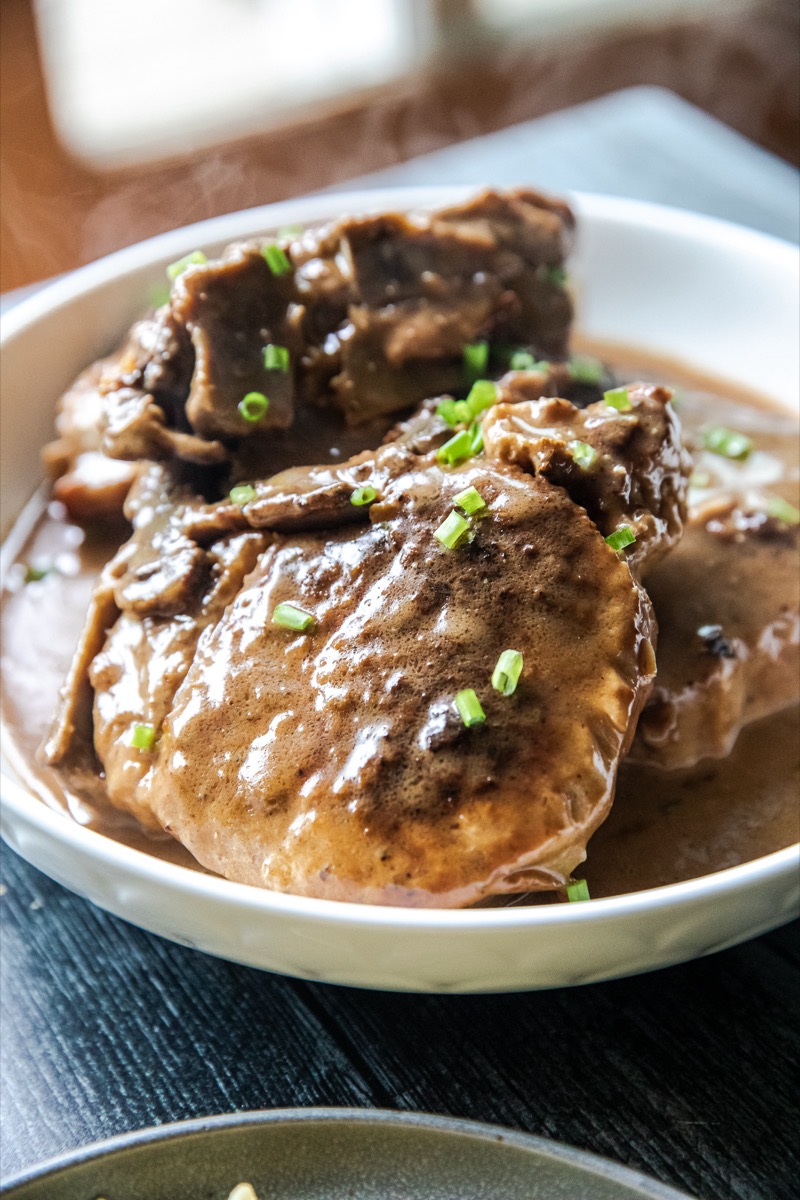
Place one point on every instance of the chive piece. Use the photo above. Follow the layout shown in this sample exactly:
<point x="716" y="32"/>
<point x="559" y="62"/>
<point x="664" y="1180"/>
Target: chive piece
<point x="618" y="398"/>
<point x="290" y="231"/>
<point x="783" y="511"/>
<point x="447" y="410"/>
<point x="583" y="454"/>
<point x="291" y="617"/>
<point x="143" y="737"/>
<point x="621" y="538"/>
<point x="254" y="407"/>
<point x="505" y="676"/>
<point x="453" y="531"/>
<point x="158" y="295"/>
<point x="177" y="268"/>
<point x="476" y="438"/>
<point x="277" y="259"/>
<point x="37" y="574"/>
<point x="555" y="275"/>
<point x="276" y="358"/>
<point x="363" y="495"/>
<point x="578" y="890"/>
<point x="482" y="395"/>
<point x="243" y="493"/>
<point x="456" y="449"/>
<point x="727" y="443"/>
<point x="469" y="707"/>
<point x="584" y="369"/>
<point x="470" y="501"/>
<point x="521" y="360"/>
<point x="476" y="359"/>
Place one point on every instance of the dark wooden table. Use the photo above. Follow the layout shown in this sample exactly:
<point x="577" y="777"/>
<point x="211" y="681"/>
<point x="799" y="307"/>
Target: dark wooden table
<point x="689" y="1074"/>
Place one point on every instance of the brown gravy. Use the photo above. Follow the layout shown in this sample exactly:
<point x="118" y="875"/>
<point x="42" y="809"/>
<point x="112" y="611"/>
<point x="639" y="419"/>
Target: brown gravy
<point x="665" y="826"/>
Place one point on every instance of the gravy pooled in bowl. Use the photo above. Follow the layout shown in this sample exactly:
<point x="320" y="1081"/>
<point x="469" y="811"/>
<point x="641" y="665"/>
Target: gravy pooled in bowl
<point x="411" y="676"/>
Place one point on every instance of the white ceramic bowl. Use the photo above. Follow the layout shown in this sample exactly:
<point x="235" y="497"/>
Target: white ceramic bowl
<point x="717" y="297"/>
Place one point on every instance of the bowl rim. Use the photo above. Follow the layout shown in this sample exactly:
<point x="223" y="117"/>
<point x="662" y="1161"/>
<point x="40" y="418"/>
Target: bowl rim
<point x="25" y="805"/>
<point x="558" y="1151"/>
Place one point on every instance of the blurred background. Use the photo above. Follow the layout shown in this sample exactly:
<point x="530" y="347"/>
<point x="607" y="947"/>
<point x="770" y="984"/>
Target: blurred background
<point x="123" y="118"/>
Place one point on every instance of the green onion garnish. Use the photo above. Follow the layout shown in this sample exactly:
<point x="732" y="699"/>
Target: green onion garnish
<point x="363" y="495"/>
<point x="583" y="454"/>
<point x="177" y="268"/>
<point x="277" y="259"/>
<point x="476" y="438"/>
<point x="470" y="501"/>
<point x="158" y="295"/>
<point x="469" y="707"/>
<point x="505" y="676"/>
<point x="621" y="538"/>
<point x="700" y="479"/>
<point x="521" y="360"/>
<point x="243" y="493"/>
<point x="585" y="370"/>
<point x="618" y="398"/>
<point x="453" y="531"/>
<point x="476" y="359"/>
<point x="143" y="737"/>
<point x="456" y="449"/>
<point x="727" y="443"/>
<point x="482" y="395"/>
<point x="782" y="510"/>
<point x="292" y="617"/>
<point x="555" y="275"/>
<point x="276" y="358"/>
<point x="447" y="411"/>
<point x="37" y="574"/>
<point x="289" y="231"/>
<point x="578" y="890"/>
<point x="254" y="406"/>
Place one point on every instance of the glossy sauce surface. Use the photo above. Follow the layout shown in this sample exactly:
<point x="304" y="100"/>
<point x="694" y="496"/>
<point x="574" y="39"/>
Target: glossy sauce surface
<point x="665" y="826"/>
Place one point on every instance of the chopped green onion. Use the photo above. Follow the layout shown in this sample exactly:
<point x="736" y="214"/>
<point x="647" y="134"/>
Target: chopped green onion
<point x="476" y="359"/>
<point x="277" y="259"/>
<point x="363" y="495"/>
<point x="578" y="890"/>
<point x="158" y="295"/>
<point x="476" y="438"/>
<point x="289" y="231"/>
<point x="584" y="369"/>
<point x="37" y="574"/>
<point x="555" y="275"/>
<point x="727" y="443"/>
<point x="453" y="531"/>
<point x="276" y="358"/>
<point x="292" y="617"/>
<point x="469" y="707"/>
<point x="456" y="449"/>
<point x="521" y="360"/>
<point x="177" y="268"/>
<point x="243" y="493"/>
<point x="446" y="409"/>
<point x="470" y="501"/>
<point x="482" y="395"/>
<point x="621" y="538"/>
<point x="505" y="676"/>
<point x="254" y="407"/>
<point x="463" y="412"/>
<point x="782" y="510"/>
<point x="583" y="454"/>
<point x="618" y="398"/>
<point x="143" y="737"/>
<point x="700" y="479"/>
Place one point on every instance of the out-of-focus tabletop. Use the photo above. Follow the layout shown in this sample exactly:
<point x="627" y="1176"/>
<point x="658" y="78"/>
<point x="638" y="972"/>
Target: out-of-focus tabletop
<point x="687" y="1074"/>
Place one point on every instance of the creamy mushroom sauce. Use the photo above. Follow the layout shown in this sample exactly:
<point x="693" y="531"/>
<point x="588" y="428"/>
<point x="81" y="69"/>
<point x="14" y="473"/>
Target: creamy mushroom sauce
<point x="665" y="826"/>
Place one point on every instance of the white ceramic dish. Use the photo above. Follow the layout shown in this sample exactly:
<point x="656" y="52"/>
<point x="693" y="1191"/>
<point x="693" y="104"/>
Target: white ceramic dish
<point x="717" y="297"/>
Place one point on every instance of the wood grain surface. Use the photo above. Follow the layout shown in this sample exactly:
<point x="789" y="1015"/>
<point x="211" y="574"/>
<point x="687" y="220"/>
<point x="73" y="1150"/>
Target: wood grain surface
<point x="688" y="1074"/>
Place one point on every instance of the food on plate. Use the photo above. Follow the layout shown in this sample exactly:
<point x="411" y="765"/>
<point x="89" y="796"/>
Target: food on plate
<point x="408" y="583"/>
